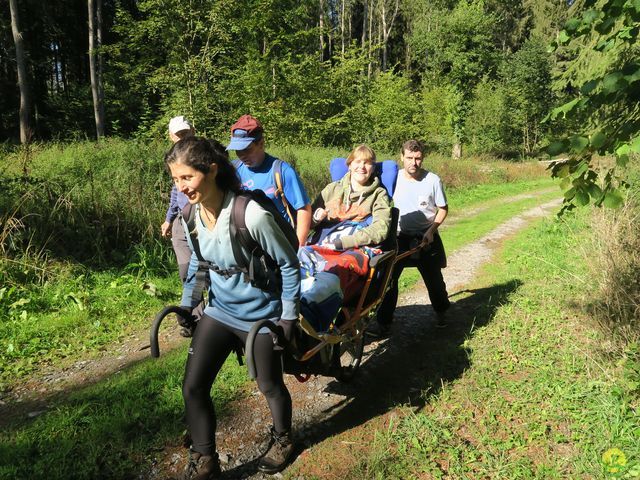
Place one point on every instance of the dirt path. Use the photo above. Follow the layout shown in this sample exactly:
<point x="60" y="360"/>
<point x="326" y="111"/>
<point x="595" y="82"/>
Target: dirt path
<point x="396" y="371"/>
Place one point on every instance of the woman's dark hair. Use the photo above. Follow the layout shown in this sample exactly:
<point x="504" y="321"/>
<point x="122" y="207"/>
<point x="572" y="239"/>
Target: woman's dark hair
<point x="199" y="153"/>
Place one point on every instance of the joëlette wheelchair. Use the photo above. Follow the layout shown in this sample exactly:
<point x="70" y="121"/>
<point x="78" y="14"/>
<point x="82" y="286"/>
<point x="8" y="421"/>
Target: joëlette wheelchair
<point x="336" y="351"/>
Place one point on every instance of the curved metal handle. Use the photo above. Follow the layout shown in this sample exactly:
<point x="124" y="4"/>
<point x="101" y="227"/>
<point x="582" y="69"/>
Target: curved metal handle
<point x="155" y="326"/>
<point x="251" y="364"/>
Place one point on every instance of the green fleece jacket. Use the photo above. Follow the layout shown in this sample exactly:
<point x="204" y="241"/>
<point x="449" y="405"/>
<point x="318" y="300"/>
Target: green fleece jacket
<point x="343" y="203"/>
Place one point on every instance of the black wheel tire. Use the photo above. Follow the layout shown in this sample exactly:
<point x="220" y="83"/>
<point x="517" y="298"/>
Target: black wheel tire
<point x="347" y="357"/>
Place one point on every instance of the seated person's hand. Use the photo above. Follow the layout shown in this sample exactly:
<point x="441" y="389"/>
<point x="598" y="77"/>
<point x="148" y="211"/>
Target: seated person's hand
<point x="319" y="215"/>
<point x="333" y="245"/>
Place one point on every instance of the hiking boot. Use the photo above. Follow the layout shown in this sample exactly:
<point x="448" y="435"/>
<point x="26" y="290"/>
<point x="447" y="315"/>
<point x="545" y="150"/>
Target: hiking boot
<point x="203" y="467"/>
<point x="379" y="330"/>
<point x="441" y="320"/>
<point x="279" y="455"/>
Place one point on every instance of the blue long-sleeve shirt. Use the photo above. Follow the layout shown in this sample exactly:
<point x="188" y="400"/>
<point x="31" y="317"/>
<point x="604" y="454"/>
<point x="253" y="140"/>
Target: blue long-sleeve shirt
<point x="177" y="201"/>
<point x="232" y="300"/>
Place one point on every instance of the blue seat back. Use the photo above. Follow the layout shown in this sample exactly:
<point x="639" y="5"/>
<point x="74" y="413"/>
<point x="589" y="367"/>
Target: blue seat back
<point x="386" y="171"/>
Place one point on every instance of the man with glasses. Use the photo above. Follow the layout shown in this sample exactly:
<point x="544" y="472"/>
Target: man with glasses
<point x="259" y="170"/>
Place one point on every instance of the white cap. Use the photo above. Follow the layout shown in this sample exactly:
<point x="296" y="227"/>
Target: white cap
<point x="177" y="124"/>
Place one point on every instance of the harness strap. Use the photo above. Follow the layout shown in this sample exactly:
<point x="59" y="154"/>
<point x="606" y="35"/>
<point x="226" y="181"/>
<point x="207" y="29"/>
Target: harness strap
<point x="279" y="192"/>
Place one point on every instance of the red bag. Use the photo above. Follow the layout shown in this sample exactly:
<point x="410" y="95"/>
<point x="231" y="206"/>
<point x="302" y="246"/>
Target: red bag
<point x="351" y="266"/>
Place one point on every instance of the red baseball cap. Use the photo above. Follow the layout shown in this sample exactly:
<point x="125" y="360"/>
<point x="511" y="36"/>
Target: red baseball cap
<point x="246" y="130"/>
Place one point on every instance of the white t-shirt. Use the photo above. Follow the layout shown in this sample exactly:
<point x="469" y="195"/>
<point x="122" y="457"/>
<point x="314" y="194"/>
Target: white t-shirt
<point x="418" y="201"/>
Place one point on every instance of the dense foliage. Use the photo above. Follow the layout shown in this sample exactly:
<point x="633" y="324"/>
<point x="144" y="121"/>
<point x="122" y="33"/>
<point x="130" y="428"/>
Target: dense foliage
<point x="605" y="109"/>
<point x="316" y="72"/>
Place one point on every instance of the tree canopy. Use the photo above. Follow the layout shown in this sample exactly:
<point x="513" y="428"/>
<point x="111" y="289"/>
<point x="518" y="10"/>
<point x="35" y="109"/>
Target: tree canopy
<point x="604" y="112"/>
<point x="323" y="72"/>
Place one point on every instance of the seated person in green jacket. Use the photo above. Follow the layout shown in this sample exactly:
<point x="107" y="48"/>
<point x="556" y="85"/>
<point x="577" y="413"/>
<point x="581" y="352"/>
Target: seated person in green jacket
<point x="358" y="201"/>
<point x="350" y="216"/>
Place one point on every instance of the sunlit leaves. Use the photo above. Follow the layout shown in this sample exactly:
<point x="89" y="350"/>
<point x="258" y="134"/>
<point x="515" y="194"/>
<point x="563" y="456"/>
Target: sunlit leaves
<point x="613" y="199"/>
<point x="606" y="103"/>
<point x="578" y="144"/>
<point x="598" y="140"/>
<point x="613" y="82"/>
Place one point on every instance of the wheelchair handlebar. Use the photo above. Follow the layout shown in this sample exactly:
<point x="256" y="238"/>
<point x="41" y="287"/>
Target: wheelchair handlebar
<point x="155" y="326"/>
<point x="251" y="364"/>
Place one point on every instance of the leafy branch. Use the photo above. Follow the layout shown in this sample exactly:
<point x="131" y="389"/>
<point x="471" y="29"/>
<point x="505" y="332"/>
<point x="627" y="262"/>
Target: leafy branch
<point x="608" y="103"/>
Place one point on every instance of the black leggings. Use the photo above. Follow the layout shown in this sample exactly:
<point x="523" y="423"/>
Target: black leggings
<point x="211" y="344"/>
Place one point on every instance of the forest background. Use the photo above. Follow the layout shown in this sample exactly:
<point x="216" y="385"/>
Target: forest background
<point x="458" y="73"/>
<point x="494" y="82"/>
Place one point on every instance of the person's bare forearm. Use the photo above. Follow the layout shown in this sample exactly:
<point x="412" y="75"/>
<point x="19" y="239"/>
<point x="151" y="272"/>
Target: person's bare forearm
<point x="303" y="224"/>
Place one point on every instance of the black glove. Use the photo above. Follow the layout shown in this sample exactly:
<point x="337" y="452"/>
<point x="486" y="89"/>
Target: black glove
<point x="284" y="333"/>
<point x="187" y="322"/>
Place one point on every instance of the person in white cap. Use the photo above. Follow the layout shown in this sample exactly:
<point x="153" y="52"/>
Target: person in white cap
<point x="179" y="128"/>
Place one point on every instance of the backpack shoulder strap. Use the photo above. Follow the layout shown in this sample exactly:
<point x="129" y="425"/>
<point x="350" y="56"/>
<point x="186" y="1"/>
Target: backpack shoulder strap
<point x="189" y="217"/>
<point x="240" y="236"/>
<point x="279" y="193"/>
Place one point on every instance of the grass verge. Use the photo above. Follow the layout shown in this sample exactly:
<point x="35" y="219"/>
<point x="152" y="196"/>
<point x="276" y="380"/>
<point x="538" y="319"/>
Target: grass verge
<point x="105" y="431"/>
<point x="540" y="398"/>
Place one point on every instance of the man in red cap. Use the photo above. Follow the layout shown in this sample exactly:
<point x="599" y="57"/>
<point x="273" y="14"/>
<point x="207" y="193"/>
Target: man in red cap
<point x="259" y="170"/>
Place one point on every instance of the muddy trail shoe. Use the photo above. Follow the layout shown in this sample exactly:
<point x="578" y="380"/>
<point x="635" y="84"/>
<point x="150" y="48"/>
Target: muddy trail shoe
<point x="279" y="455"/>
<point x="202" y="467"/>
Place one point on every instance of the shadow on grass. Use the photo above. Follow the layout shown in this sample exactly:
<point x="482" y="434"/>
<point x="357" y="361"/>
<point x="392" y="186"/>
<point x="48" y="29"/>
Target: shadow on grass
<point x="408" y="368"/>
<point x="97" y="428"/>
<point x="108" y="429"/>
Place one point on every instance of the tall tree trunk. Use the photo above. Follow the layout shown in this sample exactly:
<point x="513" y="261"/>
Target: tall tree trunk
<point x="273" y="80"/>
<point x="456" y="151"/>
<point x="99" y="58"/>
<point x="342" y="27"/>
<point x="98" y="108"/>
<point x="370" y="64"/>
<point x="387" y="26"/>
<point x="23" y="83"/>
<point x="365" y="12"/>
<point x="321" y="25"/>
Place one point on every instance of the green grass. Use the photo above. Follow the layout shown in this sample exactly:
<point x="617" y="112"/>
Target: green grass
<point x="75" y="318"/>
<point x="540" y="399"/>
<point x="488" y="194"/>
<point x="492" y="211"/>
<point x="104" y="431"/>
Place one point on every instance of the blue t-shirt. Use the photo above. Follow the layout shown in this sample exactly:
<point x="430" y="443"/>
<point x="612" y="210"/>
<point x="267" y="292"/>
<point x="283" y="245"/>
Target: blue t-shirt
<point x="263" y="178"/>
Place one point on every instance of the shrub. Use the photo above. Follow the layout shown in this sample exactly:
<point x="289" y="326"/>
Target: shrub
<point x="86" y="201"/>
<point x="435" y="118"/>
<point x="391" y="109"/>
<point x="486" y="124"/>
<point x="613" y="256"/>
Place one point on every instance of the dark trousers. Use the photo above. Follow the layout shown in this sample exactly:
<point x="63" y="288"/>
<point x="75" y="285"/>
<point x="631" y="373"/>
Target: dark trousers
<point x="429" y="262"/>
<point x="211" y="344"/>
